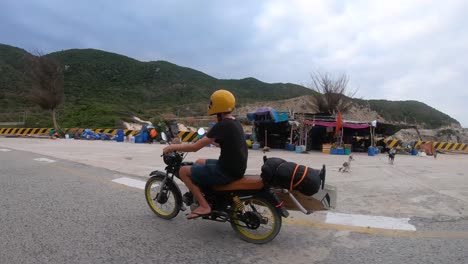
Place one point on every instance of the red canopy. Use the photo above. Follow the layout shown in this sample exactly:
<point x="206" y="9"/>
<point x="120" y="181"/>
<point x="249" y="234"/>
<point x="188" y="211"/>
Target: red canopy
<point x="333" y="124"/>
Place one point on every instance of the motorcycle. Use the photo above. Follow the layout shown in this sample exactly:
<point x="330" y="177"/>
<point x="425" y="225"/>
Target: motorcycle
<point x="252" y="208"/>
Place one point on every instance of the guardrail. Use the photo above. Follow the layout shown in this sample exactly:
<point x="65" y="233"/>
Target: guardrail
<point x="185" y="136"/>
<point x="443" y="146"/>
<point x="71" y="131"/>
<point x="192" y="136"/>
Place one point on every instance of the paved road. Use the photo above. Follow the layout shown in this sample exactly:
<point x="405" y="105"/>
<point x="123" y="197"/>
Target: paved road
<point x="65" y="212"/>
<point x="413" y="186"/>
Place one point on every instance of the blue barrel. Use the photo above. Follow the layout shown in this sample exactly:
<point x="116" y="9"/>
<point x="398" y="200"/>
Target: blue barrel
<point x="120" y="136"/>
<point x="290" y="147"/>
<point x="414" y="152"/>
<point x="371" y="151"/>
<point x="139" y="138"/>
<point x="298" y="149"/>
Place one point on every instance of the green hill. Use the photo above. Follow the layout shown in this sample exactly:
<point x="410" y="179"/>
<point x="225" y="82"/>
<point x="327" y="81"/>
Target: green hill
<point x="411" y="112"/>
<point x="102" y="89"/>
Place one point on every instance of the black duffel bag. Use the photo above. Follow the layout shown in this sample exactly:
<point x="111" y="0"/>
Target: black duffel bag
<point x="277" y="172"/>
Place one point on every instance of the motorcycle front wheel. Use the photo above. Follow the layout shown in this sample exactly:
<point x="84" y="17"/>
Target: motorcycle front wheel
<point x="165" y="200"/>
<point x="256" y="220"/>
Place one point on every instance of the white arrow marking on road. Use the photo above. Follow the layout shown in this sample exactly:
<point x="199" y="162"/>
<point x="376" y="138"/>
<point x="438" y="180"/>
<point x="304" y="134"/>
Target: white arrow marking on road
<point x="5" y="150"/>
<point x="370" y="221"/>
<point x="131" y="182"/>
<point x="45" y="160"/>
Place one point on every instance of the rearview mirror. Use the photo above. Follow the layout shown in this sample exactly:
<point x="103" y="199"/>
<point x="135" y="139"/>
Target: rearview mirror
<point x="163" y="136"/>
<point x="201" y="131"/>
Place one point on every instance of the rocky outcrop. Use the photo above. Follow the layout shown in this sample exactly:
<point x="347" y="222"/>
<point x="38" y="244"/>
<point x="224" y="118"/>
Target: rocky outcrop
<point x="449" y="134"/>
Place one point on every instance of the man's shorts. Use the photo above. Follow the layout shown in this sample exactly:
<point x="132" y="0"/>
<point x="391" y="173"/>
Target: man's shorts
<point x="209" y="174"/>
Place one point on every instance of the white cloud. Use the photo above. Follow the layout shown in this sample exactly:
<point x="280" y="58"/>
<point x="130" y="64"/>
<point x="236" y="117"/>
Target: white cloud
<point x="399" y="50"/>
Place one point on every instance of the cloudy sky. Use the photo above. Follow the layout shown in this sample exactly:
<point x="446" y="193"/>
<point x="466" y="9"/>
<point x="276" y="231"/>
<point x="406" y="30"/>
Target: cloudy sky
<point x="395" y="50"/>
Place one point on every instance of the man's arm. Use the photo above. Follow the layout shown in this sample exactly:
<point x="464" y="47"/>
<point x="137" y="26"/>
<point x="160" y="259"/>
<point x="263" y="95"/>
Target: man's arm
<point x="189" y="147"/>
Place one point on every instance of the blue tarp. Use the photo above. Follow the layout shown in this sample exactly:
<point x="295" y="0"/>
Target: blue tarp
<point x="267" y="113"/>
<point x="89" y="134"/>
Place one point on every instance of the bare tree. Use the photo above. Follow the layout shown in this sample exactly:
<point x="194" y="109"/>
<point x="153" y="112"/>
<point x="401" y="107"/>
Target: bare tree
<point x="332" y="94"/>
<point x="46" y="78"/>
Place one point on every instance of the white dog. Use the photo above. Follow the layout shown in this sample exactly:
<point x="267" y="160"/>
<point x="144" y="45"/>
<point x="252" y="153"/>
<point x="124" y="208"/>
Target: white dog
<point x="347" y="165"/>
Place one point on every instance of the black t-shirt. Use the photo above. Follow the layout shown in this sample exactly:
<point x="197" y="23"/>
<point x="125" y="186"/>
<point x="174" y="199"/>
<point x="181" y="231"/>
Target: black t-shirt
<point x="229" y="134"/>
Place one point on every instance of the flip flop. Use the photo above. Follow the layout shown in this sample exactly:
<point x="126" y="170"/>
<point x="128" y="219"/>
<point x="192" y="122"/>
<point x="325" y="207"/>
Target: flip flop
<point x="196" y="215"/>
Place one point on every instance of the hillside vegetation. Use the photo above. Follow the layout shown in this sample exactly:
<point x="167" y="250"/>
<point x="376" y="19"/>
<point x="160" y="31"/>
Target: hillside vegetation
<point x="410" y="112"/>
<point x="102" y="89"/>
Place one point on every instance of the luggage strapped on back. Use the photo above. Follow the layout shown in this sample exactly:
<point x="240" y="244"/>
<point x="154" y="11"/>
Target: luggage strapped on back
<point x="294" y="175"/>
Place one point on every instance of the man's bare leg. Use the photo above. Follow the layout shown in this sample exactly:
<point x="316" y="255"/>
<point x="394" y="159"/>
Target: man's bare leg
<point x="204" y="207"/>
<point x="200" y="162"/>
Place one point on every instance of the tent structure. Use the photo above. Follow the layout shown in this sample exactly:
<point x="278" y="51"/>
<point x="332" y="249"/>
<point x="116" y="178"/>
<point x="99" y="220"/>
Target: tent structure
<point x="271" y="128"/>
<point x="322" y="132"/>
<point x="333" y="124"/>
<point x="267" y="114"/>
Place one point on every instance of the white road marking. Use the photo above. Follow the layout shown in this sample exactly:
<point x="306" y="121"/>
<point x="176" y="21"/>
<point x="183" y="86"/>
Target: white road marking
<point x="5" y="150"/>
<point x="131" y="182"/>
<point x="45" y="160"/>
<point x="370" y="221"/>
<point x="382" y="222"/>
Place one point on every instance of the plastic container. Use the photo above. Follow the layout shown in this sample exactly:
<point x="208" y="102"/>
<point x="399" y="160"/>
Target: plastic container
<point x="298" y="149"/>
<point x="371" y="151"/>
<point x="340" y="151"/>
<point x="120" y="136"/>
<point x="144" y="137"/>
<point x="255" y="146"/>
<point x="138" y="138"/>
<point x="414" y="152"/>
<point x="290" y="147"/>
<point x="347" y="151"/>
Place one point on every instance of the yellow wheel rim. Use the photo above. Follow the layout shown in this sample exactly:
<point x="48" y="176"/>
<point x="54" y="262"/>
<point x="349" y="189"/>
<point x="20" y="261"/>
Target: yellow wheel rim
<point x="153" y="204"/>
<point x="249" y="233"/>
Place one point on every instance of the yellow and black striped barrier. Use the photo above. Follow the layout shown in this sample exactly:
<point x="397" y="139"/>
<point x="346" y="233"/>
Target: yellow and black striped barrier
<point x="24" y="131"/>
<point x="188" y="136"/>
<point x="39" y="131"/>
<point x="390" y="143"/>
<point x="445" y="146"/>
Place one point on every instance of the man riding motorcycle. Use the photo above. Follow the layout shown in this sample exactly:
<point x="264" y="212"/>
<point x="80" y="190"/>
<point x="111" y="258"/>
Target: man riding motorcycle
<point x="232" y="162"/>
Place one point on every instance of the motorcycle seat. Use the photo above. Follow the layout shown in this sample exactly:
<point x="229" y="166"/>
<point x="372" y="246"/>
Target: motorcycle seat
<point x="248" y="182"/>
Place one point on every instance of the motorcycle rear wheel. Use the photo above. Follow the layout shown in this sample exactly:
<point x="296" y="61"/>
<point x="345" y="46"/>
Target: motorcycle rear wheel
<point x="168" y="205"/>
<point x="257" y="222"/>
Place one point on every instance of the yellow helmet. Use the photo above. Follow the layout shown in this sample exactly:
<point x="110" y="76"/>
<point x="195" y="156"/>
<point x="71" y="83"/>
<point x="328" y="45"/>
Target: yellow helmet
<point x="221" y="101"/>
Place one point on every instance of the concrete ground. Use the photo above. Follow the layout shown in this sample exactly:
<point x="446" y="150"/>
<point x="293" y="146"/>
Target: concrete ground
<point x="414" y="186"/>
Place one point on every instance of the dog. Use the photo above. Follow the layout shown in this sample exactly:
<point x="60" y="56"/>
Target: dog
<point x="347" y="165"/>
<point x="391" y="155"/>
